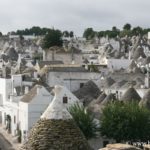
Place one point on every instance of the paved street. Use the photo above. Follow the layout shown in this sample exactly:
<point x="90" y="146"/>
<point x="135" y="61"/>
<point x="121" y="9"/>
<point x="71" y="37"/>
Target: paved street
<point x="4" y="144"/>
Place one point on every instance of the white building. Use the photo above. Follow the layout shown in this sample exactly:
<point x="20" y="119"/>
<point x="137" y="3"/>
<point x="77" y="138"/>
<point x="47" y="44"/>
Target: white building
<point x="72" y="77"/>
<point x="31" y="106"/>
<point x="11" y="92"/>
<point x="70" y="57"/>
<point x="116" y="64"/>
<point x="149" y="35"/>
<point x="20" y="111"/>
<point x="62" y="100"/>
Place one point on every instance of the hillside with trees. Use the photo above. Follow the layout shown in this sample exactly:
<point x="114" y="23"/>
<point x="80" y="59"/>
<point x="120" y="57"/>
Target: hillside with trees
<point x="127" y="29"/>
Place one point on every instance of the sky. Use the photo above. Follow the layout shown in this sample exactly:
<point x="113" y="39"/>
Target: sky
<point x="76" y="15"/>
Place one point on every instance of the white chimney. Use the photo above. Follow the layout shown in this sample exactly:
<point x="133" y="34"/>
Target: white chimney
<point x="35" y="74"/>
<point x="38" y="89"/>
<point x="26" y="89"/>
<point x="86" y="67"/>
<point x="129" y="55"/>
<point x="149" y="35"/>
<point x="147" y="80"/>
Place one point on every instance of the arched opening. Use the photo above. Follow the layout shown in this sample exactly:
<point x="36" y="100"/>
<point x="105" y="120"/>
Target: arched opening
<point x="8" y="123"/>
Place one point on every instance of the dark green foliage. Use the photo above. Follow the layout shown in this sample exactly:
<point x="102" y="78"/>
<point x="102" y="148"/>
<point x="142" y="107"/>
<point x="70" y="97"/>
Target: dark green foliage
<point x="125" y="122"/>
<point x="52" y="38"/>
<point x="66" y="34"/>
<point x="125" y="32"/>
<point x="111" y="34"/>
<point x="93" y="68"/>
<point x="71" y="34"/>
<point x="37" y="56"/>
<point x="84" y="120"/>
<point x="100" y="34"/>
<point x="35" y="30"/>
<point x="89" y="33"/>
<point x="137" y="31"/>
<point x="114" y="28"/>
<point x="127" y="26"/>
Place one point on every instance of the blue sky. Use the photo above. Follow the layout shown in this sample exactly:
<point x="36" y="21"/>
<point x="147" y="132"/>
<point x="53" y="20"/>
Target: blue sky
<point x="73" y="15"/>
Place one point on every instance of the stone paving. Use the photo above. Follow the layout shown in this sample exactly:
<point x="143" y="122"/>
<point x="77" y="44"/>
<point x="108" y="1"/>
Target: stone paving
<point x="10" y="139"/>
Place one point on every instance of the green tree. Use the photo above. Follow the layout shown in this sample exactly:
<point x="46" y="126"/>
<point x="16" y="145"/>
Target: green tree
<point x="71" y="34"/>
<point x="1" y="34"/>
<point x="66" y="34"/>
<point x="125" y="122"/>
<point x="52" y="38"/>
<point x="100" y="34"/>
<point x="89" y="33"/>
<point x="84" y="120"/>
<point x="137" y="31"/>
<point x="111" y="34"/>
<point x="114" y="28"/>
<point x="126" y="32"/>
<point x="127" y="26"/>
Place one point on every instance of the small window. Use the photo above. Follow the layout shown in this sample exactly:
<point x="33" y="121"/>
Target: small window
<point x="81" y="85"/>
<point x="105" y="143"/>
<point x="5" y="118"/>
<point x="24" y="131"/>
<point x="65" y="100"/>
<point x="120" y="94"/>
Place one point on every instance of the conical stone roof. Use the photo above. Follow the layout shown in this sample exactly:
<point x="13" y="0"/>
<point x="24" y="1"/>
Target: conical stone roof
<point x="131" y="95"/>
<point x="12" y="54"/>
<point x="137" y="70"/>
<point x="56" y="130"/>
<point x="108" y="82"/>
<point x="146" y="61"/>
<point x="101" y="98"/>
<point x="132" y="66"/>
<point x="139" y="52"/>
<point x="109" y="98"/>
<point x="88" y="92"/>
<point x="119" y="84"/>
<point x="146" y="100"/>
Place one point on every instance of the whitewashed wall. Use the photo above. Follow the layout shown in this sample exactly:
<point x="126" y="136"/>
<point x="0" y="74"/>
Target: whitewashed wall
<point x="5" y="89"/>
<point x="29" y="113"/>
<point x="118" y="63"/>
<point x="65" y="57"/>
<point x="71" y="80"/>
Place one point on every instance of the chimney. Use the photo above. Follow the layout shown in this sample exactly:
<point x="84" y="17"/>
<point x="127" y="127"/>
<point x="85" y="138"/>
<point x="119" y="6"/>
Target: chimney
<point x="4" y="71"/>
<point x="53" y="55"/>
<point x="86" y="67"/>
<point x="129" y="55"/>
<point x="147" y="80"/>
<point x="26" y="89"/>
<point x="38" y="89"/>
<point x="35" y="74"/>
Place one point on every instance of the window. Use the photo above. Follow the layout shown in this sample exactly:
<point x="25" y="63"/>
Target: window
<point x="14" y="119"/>
<point x="81" y="85"/>
<point x="65" y="100"/>
<point x="24" y="131"/>
<point x="120" y="94"/>
<point x="5" y="118"/>
<point x="117" y="94"/>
